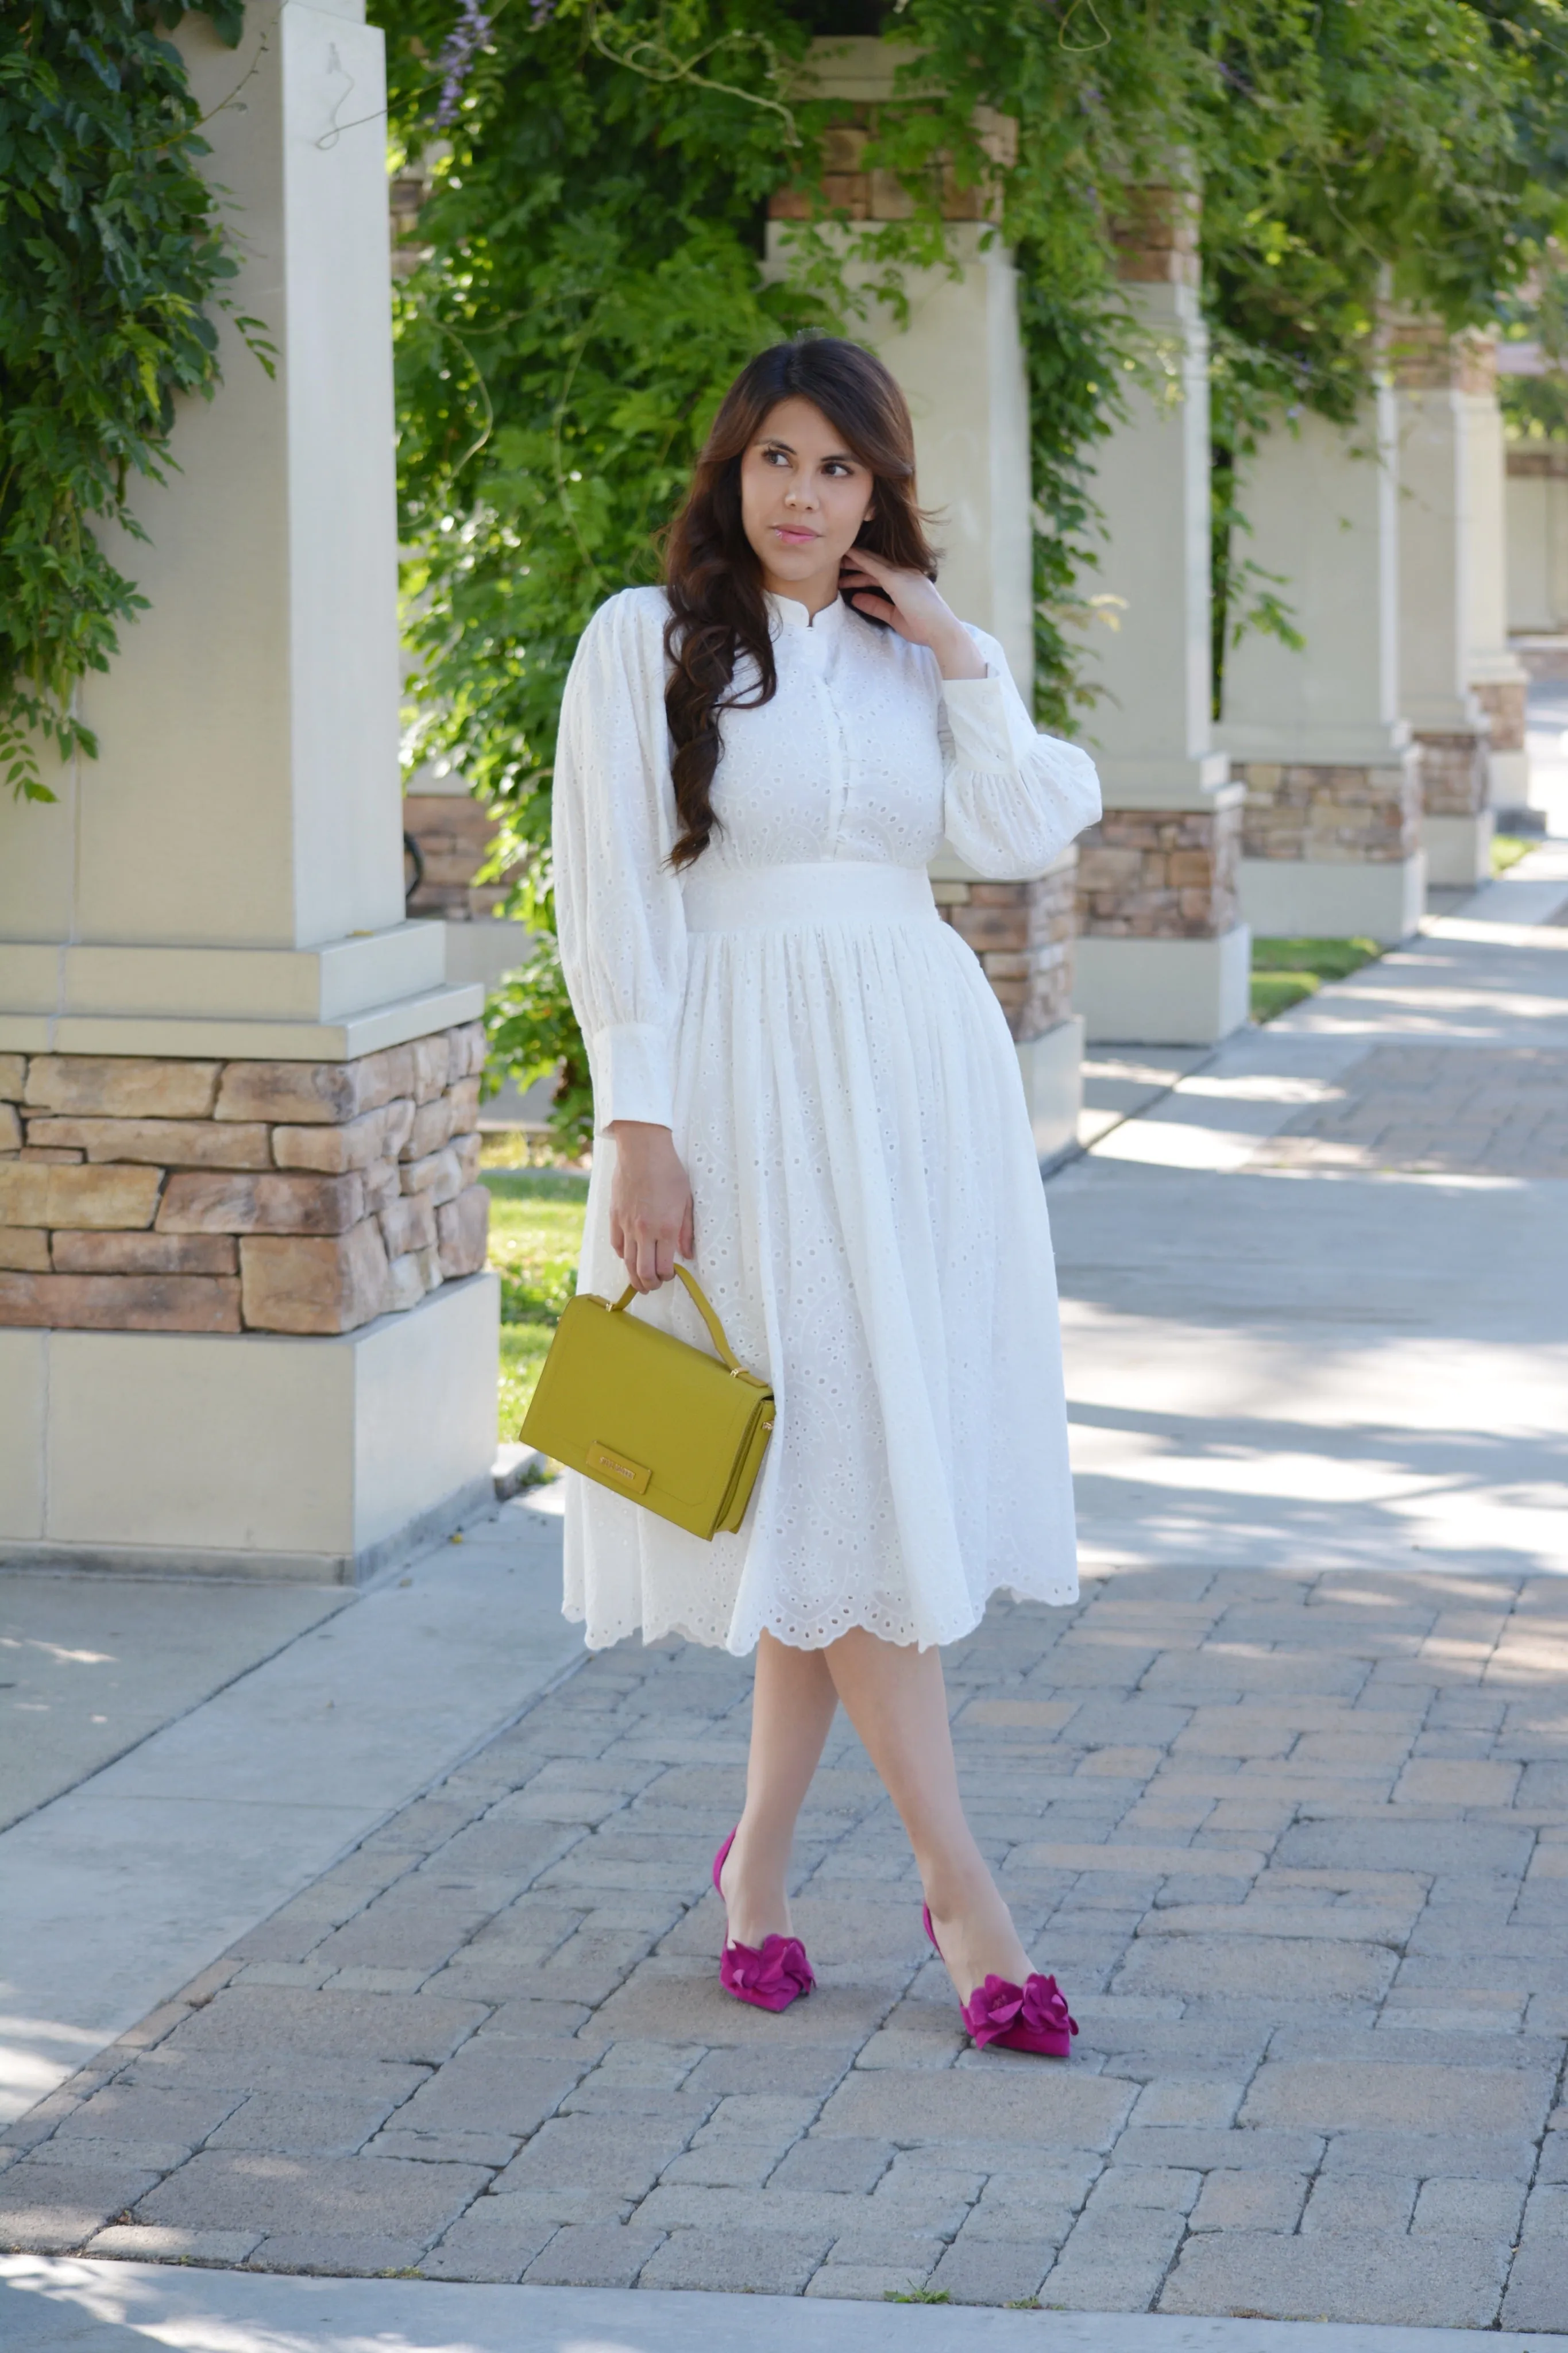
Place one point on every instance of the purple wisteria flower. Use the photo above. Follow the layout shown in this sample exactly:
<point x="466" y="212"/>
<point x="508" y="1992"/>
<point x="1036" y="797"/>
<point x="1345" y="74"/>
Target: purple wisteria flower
<point x="467" y="35"/>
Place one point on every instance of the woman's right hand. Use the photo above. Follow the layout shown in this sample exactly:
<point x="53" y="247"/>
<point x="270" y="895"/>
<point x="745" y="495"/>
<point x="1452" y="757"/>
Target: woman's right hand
<point x="650" y="1203"/>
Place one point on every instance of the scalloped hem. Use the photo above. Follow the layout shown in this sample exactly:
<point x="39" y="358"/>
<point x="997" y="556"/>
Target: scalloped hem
<point x="741" y="1645"/>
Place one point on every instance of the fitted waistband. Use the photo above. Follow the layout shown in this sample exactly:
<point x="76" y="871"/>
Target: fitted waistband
<point x="830" y="890"/>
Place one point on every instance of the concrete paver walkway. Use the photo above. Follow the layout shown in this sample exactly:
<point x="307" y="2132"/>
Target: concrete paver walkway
<point x="1284" y="1801"/>
<point x="1298" y="1846"/>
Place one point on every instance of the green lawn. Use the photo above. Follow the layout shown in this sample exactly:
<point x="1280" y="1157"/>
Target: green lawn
<point x="1285" y="971"/>
<point x="536" y="1233"/>
<point x="1507" y="849"/>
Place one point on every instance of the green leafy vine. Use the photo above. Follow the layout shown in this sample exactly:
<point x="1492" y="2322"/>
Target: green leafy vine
<point x="595" y="233"/>
<point x="112" y="260"/>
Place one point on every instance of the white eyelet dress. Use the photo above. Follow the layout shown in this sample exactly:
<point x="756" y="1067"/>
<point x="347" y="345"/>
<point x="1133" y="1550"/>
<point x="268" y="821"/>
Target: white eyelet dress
<point x="845" y="1097"/>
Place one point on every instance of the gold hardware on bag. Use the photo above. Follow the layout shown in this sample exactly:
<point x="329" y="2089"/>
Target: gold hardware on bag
<point x="650" y="1417"/>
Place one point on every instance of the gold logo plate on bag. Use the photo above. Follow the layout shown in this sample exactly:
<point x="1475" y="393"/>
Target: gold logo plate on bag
<point x="632" y="1478"/>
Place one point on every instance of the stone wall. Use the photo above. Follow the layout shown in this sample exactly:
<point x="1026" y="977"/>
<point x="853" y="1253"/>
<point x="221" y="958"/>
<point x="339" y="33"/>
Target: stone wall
<point x="849" y="189"/>
<point x="1546" y="460"/>
<point x="1504" y="700"/>
<point x="142" y="1195"/>
<point x="1156" y="239"/>
<point x="1159" y="874"/>
<point x="1425" y="357"/>
<point x="1023" y="934"/>
<point x="1452" y="771"/>
<point x="1339" y="816"/>
<point x="454" y="832"/>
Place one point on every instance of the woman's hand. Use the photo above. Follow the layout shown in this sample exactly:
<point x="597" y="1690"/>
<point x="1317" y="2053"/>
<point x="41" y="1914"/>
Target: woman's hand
<point x="650" y="1203"/>
<point x="909" y="604"/>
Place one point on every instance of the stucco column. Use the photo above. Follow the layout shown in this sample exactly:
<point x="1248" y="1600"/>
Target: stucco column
<point x="1495" y="673"/>
<point x="1332" y="837"/>
<point x="1163" y="958"/>
<point x="1440" y="546"/>
<point x="242" y="1324"/>
<point x="1537" y="535"/>
<point x="959" y="357"/>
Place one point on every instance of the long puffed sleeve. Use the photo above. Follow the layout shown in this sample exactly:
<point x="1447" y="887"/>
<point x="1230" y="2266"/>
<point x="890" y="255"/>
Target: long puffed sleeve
<point x="1012" y="798"/>
<point x="619" y="915"/>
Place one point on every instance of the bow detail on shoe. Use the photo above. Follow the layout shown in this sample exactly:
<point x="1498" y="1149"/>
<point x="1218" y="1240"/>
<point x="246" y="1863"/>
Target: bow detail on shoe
<point x="769" y="1976"/>
<point x="997" y="2010"/>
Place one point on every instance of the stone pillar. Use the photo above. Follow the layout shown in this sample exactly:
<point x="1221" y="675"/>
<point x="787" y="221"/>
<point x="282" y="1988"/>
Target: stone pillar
<point x="1331" y="830"/>
<point x="243" y="1327"/>
<point x="1163" y="958"/>
<point x="1433" y="376"/>
<point x="960" y="360"/>
<point x="1495" y="674"/>
<point x="1536" y="536"/>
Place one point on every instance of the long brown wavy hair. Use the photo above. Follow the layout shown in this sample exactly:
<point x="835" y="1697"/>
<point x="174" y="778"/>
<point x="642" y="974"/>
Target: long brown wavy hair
<point x="718" y="610"/>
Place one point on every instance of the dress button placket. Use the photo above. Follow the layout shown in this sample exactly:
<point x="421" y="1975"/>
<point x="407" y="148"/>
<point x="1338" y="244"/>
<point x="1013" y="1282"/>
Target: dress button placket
<point x="837" y="740"/>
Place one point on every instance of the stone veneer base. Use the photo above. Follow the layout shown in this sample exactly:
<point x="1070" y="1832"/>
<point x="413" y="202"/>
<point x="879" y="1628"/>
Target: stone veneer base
<point x="1165" y="992"/>
<point x="1299" y="898"/>
<point x="321" y="1460"/>
<point x="1022" y="934"/>
<point x="199" y="1195"/>
<point x="1458" y="849"/>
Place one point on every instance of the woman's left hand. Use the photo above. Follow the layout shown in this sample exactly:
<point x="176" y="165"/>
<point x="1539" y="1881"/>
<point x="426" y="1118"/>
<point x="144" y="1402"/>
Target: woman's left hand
<point x="910" y="603"/>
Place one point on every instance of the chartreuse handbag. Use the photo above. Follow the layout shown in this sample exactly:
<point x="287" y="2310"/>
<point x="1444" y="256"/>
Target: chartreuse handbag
<point x="680" y="1431"/>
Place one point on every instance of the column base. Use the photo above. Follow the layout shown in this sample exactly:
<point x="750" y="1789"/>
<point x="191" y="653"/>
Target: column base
<point x="1165" y="992"/>
<point x="1507" y="783"/>
<point x="1052" y="1067"/>
<point x="1458" y="849"/>
<point x="313" y="1460"/>
<point x="1298" y="898"/>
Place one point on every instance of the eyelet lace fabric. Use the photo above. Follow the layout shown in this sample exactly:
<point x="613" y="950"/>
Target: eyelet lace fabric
<point x="845" y="1097"/>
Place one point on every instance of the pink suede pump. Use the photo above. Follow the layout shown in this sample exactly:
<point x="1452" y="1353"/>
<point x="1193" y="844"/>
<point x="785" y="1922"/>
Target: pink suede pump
<point x="1032" y="2017"/>
<point x="770" y="1976"/>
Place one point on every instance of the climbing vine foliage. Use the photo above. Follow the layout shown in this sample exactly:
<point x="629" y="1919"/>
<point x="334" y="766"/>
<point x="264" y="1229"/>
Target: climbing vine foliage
<point x="111" y="261"/>
<point x="591" y="265"/>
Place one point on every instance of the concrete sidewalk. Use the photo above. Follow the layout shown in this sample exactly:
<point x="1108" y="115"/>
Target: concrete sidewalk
<point x="255" y="1735"/>
<point x="95" y="2308"/>
<point x="1285" y="1801"/>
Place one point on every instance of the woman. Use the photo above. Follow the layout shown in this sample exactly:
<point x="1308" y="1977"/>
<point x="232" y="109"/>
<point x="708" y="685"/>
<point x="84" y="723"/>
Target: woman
<point x="803" y="1084"/>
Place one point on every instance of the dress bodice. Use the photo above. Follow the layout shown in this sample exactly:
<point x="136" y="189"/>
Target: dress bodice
<point x="848" y="759"/>
<point x="865" y="755"/>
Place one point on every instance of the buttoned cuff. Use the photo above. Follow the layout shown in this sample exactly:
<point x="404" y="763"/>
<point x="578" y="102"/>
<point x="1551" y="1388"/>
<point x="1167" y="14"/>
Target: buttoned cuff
<point x="978" y="714"/>
<point x="630" y="1064"/>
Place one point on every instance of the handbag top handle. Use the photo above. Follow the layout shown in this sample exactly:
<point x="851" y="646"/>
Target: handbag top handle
<point x="715" y="1329"/>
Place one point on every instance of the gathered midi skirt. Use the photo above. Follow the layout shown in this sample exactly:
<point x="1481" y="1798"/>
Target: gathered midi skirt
<point x="871" y="1228"/>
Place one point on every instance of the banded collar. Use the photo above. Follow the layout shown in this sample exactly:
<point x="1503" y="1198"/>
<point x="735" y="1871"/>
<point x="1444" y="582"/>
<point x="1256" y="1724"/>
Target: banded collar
<point x="792" y="615"/>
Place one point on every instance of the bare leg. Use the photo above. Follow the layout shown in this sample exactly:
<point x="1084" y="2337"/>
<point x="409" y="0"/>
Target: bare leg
<point x="792" y="1705"/>
<point x="895" y="1698"/>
